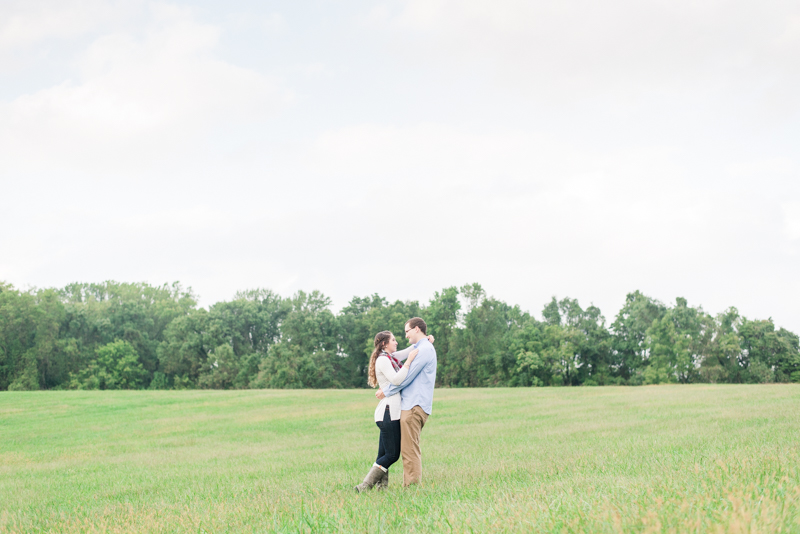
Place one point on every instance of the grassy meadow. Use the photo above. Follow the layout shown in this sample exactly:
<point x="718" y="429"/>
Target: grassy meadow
<point x="700" y="458"/>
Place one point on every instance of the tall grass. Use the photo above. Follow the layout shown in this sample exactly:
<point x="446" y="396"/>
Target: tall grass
<point x="647" y="459"/>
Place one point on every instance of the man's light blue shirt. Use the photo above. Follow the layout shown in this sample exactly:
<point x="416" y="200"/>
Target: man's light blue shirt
<point x="417" y="388"/>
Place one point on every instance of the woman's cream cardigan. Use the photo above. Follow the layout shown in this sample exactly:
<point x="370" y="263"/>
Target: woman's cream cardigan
<point x="385" y="374"/>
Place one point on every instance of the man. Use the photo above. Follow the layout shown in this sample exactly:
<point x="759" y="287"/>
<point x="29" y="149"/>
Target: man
<point x="416" y="402"/>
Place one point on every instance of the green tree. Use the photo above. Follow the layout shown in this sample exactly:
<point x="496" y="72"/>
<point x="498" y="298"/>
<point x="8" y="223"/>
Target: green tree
<point x="250" y="324"/>
<point x="184" y="350"/>
<point x="17" y="339"/>
<point x="98" y="314"/>
<point x="591" y="340"/>
<point x="117" y="366"/>
<point x="52" y="354"/>
<point x="721" y="362"/>
<point x="676" y="343"/>
<point x="31" y="352"/>
<point x="629" y="345"/>
<point x="480" y="353"/>
<point x="224" y="370"/>
<point x="527" y="345"/>
<point x="442" y="316"/>
<point x="575" y="346"/>
<point x="117" y="335"/>
<point x="560" y="354"/>
<point x="307" y="354"/>
<point x="767" y="355"/>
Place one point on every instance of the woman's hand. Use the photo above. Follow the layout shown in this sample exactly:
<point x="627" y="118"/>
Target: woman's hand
<point x="430" y="338"/>
<point x="411" y="356"/>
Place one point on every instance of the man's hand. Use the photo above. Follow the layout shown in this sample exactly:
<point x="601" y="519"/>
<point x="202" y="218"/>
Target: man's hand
<point x="380" y="394"/>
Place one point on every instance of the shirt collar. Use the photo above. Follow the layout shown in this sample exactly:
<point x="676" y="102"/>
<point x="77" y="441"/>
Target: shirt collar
<point x="418" y="343"/>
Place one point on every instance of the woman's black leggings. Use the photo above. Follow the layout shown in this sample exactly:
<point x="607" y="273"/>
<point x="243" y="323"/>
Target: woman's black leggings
<point x="389" y="445"/>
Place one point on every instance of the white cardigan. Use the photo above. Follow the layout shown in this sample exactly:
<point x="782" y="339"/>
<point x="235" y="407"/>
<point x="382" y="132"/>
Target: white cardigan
<point x="385" y="374"/>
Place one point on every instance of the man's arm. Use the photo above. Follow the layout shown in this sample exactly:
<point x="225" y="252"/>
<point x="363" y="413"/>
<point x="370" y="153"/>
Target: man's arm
<point x="416" y="367"/>
<point x="403" y="354"/>
<point x="395" y="377"/>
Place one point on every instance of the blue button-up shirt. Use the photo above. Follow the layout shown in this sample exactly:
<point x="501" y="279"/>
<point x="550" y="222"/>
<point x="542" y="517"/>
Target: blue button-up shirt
<point x="417" y="388"/>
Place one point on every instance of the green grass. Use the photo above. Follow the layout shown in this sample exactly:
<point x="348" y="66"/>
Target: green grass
<point x="663" y="458"/>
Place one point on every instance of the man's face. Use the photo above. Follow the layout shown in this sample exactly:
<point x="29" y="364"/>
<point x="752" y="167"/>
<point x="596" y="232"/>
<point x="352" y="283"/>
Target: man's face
<point x="411" y="333"/>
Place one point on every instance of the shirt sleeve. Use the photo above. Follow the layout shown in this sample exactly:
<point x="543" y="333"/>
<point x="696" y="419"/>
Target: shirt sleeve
<point x="403" y="354"/>
<point x="386" y="367"/>
<point x="417" y="365"/>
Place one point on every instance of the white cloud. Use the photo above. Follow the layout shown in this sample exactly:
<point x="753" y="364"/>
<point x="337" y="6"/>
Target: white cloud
<point x="791" y="34"/>
<point x="136" y="100"/>
<point x="274" y="23"/>
<point x="791" y="217"/>
<point x="537" y="216"/>
<point x="24" y="23"/>
<point x="612" y="52"/>
<point x="440" y="155"/>
<point x="315" y="71"/>
<point x="537" y="148"/>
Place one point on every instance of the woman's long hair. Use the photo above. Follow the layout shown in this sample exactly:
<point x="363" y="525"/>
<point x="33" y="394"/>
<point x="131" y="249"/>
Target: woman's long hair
<point x="381" y="339"/>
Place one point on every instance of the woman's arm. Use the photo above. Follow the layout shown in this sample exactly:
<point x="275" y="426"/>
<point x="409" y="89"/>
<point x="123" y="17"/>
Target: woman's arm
<point x="385" y="367"/>
<point x="391" y="389"/>
<point x="403" y="354"/>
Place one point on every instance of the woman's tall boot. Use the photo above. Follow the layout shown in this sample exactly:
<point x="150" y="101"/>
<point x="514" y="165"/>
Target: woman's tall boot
<point x="371" y="479"/>
<point x="383" y="483"/>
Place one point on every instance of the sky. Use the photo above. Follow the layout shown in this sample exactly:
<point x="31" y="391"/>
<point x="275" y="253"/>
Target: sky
<point x="554" y="148"/>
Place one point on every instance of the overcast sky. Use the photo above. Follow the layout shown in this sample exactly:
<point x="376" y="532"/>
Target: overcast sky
<point x="581" y="149"/>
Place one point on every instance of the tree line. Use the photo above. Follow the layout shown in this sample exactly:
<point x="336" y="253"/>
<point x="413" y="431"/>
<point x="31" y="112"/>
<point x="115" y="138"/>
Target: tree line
<point x="137" y="336"/>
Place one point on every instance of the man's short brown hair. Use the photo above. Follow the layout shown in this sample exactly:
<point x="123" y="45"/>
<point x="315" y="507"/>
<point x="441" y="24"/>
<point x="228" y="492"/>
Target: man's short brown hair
<point x="418" y="322"/>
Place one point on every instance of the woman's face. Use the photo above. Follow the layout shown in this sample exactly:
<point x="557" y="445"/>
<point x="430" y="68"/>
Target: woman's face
<point x="391" y="345"/>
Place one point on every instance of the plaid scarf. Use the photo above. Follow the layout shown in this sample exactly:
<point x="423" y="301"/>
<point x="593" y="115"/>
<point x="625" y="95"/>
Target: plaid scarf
<point x="395" y="362"/>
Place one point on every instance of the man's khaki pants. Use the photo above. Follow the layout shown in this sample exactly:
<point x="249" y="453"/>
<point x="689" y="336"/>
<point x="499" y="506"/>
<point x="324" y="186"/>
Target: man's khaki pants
<point x="411" y="423"/>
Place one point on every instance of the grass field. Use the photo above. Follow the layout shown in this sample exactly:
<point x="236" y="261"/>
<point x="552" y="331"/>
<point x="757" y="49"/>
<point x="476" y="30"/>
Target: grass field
<point x="647" y="459"/>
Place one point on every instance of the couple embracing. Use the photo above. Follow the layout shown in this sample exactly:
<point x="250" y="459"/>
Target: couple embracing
<point x="406" y="393"/>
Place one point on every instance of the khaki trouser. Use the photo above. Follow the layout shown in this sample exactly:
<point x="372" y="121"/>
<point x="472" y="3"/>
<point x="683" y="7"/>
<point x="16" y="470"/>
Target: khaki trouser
<point x="411" y="423"/>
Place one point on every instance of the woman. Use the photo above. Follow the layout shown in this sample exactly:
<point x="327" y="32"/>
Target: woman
<point x="385" y="367"/>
